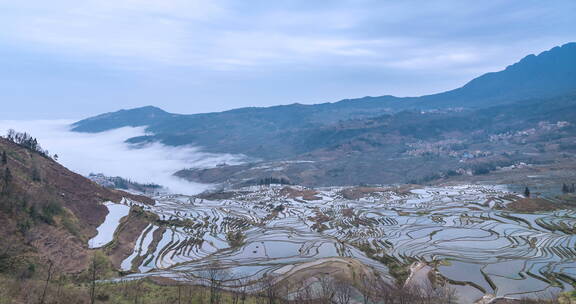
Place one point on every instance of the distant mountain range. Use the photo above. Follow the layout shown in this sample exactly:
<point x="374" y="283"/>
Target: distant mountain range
<point x="535" y="89"/>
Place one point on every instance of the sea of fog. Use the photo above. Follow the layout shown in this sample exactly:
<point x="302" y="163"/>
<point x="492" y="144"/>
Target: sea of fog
<point x="107" y="153"/>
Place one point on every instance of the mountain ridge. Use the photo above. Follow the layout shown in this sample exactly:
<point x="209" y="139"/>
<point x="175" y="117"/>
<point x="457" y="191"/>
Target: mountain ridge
<point x="275" y="132"/>
<point x="563" y="58"/>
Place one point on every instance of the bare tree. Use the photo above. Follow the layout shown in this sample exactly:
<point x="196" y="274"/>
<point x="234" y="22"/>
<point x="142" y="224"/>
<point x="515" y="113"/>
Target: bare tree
<point x="367" y="288"/>
<point x="240" y="292"/>
<point x="303" y="292"/>
<point x="137" y="291"/>
<point x="236" y="291"/>
<point x="7" y="179"/>
<point x="326" y="291"/>
<point x="285" y="289"/>
<point x="343" y="292"/>
<point x="216" y="275"/>
<point x="448" y="294"/>
<point x="93" y="270"/>
<point x="242" y="289"/>
<point x="387" y="293"/>
<point x="269" y="288"/>
<point x="48" y="277"/>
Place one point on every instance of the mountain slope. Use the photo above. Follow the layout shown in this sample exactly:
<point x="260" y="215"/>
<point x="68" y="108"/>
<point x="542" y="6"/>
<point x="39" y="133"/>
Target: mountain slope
<point x="415" y="147"/>
<point x="269" y="132"/>
<point x="48" y="212"/>
<point x="123" y="118"/>
<point x="552" y="73"/>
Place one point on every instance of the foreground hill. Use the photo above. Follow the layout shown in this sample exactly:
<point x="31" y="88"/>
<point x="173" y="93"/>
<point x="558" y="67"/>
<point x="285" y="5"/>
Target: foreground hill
<point x="270" y="133"/>
<point x="294" y="234"/>
<point x="47" y="212"/>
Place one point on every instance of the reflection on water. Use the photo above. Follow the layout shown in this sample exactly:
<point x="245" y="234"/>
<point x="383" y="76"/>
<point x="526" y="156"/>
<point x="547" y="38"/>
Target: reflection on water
<point x="487" y="249"/>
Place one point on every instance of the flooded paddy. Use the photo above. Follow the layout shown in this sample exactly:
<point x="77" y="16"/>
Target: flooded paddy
<point x="106" y="230"/>
<point x="462" y="232"/>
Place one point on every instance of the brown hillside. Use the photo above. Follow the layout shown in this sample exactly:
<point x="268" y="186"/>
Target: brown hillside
<point x="48" y="212"/>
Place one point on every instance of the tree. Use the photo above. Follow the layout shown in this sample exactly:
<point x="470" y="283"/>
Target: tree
<point x="304" y="292"/>
<point x="4" y="158"/>
<point x="527" y="192"/>
<point x="49" y="276"/>
<point x="36" y="174"/>
<point x="7" y="180"/>
<point x="343" y="292"/>
<point x="96" y="269"/>
<point x="10" y="134"/>
<point x="137" y="291"/>
<point x="25" y="140"/>
<point x="269" y="289"/>
<point x="216" y="275"/>
<point x="93" y="271"/>
<point x="366" y="288"/>
<point x="240" y="292"/>
<point x="326" y="290"/>
<point x="448" y="294"/>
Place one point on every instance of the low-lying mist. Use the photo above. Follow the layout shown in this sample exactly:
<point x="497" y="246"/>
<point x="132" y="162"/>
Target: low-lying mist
<point x="107" y="153"/>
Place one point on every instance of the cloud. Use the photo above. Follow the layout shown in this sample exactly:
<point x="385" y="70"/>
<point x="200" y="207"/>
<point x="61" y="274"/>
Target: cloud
<point x="225" y="34"/>
<point x="209" y="55"/>
<point x="107" y="153"/>
<point x="119" y="32"/>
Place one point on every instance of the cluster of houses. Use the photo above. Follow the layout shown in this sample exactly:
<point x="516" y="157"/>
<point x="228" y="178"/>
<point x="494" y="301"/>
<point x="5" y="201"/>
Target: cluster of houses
<point x="541" y="128"/>
<point x="452" y="148"/>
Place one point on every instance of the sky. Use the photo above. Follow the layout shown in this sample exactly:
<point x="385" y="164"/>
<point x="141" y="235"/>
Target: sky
<point x="70" y="59"/>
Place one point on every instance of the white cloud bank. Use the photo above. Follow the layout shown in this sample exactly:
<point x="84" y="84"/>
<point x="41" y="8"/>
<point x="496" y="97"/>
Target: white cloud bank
<point x="229" y="34"/>
<point x="107" y="153"/>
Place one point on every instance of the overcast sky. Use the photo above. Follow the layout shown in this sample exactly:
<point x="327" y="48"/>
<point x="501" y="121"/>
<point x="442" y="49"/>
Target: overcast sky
<point x="73" y="59"/>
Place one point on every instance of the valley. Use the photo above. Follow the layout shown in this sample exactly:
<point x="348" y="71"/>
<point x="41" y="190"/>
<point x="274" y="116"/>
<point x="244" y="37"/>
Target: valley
<point x="464" y="196"/>
<point x="465" y="234"/>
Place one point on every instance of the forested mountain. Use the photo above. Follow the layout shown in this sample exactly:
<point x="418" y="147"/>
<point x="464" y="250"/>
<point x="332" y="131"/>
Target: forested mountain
<point x="416" y="147"/>
<point x="271" y="132"/>
<point x="528" y="108"/>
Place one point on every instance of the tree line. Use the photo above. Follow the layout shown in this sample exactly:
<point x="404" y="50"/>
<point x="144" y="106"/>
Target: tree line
<point x="5" y="174"/>
<point x="568" y="188"/>
<point x="26" y="141"/>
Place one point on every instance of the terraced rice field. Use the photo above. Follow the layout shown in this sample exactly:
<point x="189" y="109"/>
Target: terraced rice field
<point x="462" y="231"/>
<point x="106" y="230"/>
